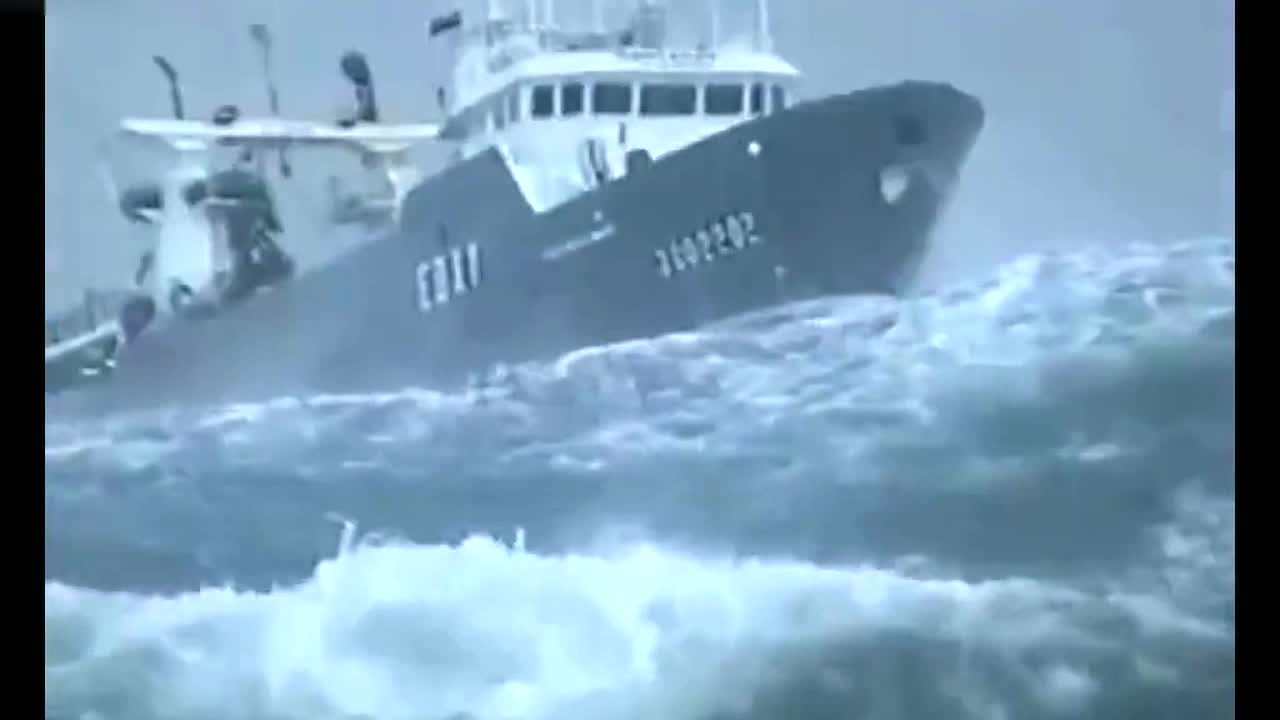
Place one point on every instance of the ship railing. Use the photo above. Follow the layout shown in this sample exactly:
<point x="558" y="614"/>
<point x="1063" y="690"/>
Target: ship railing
<point x="97" y="308"/>
<point x="559" y="40"/>
<point x="665" y="56"/>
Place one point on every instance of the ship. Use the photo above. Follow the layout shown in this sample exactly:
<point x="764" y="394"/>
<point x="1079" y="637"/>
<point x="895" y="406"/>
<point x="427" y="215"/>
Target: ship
<point x="603" y="184"/>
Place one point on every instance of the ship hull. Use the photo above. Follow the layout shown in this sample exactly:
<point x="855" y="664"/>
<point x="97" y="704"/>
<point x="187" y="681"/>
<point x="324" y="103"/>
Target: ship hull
<point x="785" y="207"/>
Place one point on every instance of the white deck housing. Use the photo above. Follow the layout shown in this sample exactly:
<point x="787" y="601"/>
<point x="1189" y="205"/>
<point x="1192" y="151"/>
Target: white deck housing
<point x="565" y="106"/>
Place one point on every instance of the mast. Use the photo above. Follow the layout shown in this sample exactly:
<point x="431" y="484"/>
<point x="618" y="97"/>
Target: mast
<point x="764" y="41"/>
<point x="714" y="7"/>
<point x="597" y="15"/>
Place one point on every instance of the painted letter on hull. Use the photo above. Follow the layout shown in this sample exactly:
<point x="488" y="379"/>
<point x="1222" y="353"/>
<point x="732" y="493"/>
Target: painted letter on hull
<point x="448" y="276"/>
<point x="723" y="237"/>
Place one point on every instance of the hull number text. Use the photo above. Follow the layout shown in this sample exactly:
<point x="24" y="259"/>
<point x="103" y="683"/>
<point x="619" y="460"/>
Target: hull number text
<point x="727" y="235"/>
<point x="448" y="276"/>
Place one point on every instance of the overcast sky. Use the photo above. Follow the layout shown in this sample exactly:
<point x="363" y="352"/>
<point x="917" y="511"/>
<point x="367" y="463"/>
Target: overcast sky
<point x="1104" y="116"/>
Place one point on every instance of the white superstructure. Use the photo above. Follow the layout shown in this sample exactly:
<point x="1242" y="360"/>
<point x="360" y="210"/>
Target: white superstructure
<point x="566" y="105"/>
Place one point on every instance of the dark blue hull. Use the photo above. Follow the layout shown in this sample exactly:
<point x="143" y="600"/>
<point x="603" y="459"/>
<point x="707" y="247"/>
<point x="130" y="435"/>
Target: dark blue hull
<point x="785" y="207"/>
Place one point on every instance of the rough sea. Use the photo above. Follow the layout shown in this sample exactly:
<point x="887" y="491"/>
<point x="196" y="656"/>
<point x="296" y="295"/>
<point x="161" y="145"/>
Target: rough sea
<point x="1005" y="500"/>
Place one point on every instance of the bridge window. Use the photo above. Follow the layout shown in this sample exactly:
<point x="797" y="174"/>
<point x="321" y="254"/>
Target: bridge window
<point x="513" y="105"/>
<point x="543" y="101"/>
<point x="611" y="99"/>
<point x="757" y="99"/>
<point x="778" y="101"/>
<point x="499" y="113"/>
<point x="571" y="97"/>
<point x="723" y="100"/>
<point x="477" y="120"/>
<point x="473" y="121"/>
<point x="668" y="100"/>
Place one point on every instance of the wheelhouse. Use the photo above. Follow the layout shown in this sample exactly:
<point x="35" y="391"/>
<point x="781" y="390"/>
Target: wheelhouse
<point x="569" y="109"/>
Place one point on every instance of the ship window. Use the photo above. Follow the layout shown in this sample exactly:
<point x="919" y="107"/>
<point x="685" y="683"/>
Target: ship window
<point x="513" y="105"/>
<point x="611" y="99"/>
<point x="543" y="102"/>
<point x="778" y="101"/>
<point x="477" y="121"/>
<point x="499" y="114"/>
<point x="757" y="99"/>
<point x="723" y="100"/>
<point x="571" y="97"/>
<point x="668" y="100"/>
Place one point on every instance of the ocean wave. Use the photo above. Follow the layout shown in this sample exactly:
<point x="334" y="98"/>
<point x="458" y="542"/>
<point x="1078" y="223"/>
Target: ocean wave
<point x="482" y="630"/>
<point x="1045" y="326"/>
<point x="1010" y="498"/>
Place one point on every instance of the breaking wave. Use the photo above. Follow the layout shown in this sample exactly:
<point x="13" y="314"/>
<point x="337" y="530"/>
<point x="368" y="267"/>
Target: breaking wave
<point x="1009" y="499"/>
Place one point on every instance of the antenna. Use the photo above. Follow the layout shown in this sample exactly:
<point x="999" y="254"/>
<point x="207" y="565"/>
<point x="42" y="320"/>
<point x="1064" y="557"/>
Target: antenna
<point x="597" y="15"/>
<point x="764" y="41"/>
<point x="175" y="92"/>
<point x="262" y="36"/>
<point x="548" y="13"/>
<point x="714" y="8"/>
